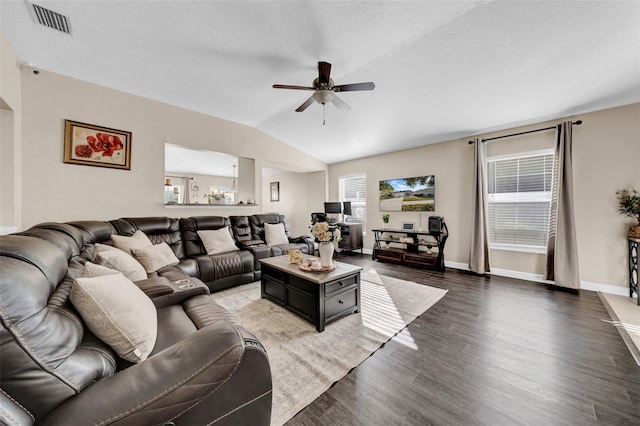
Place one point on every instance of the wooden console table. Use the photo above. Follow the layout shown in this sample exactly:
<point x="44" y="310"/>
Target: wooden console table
<point x="414" y="253"/>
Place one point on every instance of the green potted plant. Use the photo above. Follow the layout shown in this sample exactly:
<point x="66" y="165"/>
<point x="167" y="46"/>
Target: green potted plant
<point x="385" y="219"/>
<point x="629" y="205"/>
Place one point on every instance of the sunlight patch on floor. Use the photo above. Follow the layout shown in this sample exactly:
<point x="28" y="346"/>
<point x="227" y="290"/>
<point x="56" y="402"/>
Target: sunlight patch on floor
<point x="625" y="315"/>
<point x="379" y="312"/>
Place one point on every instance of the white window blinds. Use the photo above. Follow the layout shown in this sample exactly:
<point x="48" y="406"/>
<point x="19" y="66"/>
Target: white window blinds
<point x="354" y="189"/>
<point x="519" y="197"/>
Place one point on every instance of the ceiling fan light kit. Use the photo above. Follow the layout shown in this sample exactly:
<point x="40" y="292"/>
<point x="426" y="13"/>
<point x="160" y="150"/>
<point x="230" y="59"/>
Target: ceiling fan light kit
<point x="325" y="90"/>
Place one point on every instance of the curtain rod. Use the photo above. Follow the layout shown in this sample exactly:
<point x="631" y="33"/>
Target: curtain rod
<point x="577" y="123"/>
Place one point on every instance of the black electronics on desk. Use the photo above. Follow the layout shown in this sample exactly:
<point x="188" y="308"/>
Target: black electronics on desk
<point x="333" y="207"/>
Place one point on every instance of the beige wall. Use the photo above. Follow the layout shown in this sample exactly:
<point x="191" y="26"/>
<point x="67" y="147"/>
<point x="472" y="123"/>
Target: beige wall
<point x="63" y="192"/>
<point x="10" y="137"/>
<point x="293" y="199"/>
<point x="606" y="158"/>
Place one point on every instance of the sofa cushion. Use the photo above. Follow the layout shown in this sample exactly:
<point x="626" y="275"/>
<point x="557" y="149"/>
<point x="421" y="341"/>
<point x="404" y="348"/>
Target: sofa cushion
<point x="137" y="240"/>
<point x="274" y="234"/>
<point x="189" y="227"/>
<point x="155" y="257"/>
<point x="218" y="241"/>
<point x="118" y="313"/>
<point x="114" y="258"/>
<point x="158" y="229"/>
<point x="94" y="270"/>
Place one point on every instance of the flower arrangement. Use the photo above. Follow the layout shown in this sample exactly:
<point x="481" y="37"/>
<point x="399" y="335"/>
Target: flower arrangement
<point x="216" y="194"/>
<point x="323" y="232"/>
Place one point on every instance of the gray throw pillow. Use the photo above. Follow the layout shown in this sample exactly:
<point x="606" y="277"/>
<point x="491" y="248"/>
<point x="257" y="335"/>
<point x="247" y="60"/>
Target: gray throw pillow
<point x="118" y="313"/>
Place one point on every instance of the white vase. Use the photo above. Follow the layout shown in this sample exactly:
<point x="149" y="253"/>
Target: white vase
<point x="326" y="254"/>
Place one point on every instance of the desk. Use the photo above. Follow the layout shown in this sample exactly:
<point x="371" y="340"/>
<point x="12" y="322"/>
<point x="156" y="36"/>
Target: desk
<point x="351" y="236"/>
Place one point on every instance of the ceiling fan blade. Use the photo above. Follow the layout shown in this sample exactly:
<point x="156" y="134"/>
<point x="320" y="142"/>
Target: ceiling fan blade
<point x="324" y="71"/>
<point x="286" y="86"/>
<point x="305" y="105"/>
<point x="342" y="105"/>
<point x="354" y="87"/>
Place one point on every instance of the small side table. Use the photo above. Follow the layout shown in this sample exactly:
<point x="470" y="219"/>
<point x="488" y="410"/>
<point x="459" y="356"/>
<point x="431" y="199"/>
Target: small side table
<point x="633" y="267"/>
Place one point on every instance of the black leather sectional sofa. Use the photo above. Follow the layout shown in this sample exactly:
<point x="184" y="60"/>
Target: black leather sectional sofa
<point x="205" y="368"/>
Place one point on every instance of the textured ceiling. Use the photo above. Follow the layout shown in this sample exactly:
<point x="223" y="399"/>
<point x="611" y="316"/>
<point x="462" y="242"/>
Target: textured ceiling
<point x="442" y="69"/>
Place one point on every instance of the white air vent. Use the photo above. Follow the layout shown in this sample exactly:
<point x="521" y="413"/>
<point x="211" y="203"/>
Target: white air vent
<point x="50" y="19"/>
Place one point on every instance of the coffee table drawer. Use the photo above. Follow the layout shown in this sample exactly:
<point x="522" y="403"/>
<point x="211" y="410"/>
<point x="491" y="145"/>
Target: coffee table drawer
<point x="303" y="303"/>
<point x="340" y="284"/>
<point x="310" y="288"/>
<point x="340" y="302"/>
<point x="273" y="288"/>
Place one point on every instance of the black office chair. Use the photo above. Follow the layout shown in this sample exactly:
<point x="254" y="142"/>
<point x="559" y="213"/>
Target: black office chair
<point x="318" y="217"/>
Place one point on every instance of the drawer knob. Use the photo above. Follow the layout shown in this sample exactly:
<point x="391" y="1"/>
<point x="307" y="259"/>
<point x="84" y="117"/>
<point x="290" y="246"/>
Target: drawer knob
<point x="341" y="302"/>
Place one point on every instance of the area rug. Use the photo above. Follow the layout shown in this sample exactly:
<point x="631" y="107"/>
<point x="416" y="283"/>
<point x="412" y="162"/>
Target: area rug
<point x="305" y="363"/>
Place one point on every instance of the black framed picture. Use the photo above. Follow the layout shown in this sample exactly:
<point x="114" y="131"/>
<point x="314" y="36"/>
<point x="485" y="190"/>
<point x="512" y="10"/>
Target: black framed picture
<point x="275" y="191"/>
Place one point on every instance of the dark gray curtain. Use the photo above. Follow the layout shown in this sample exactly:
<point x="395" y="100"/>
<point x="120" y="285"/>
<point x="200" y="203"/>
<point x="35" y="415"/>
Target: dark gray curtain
<point x="562" y="250"/>
<point x="479" y="250"/>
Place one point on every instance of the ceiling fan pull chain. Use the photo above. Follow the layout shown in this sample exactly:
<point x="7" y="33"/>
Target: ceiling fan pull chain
<point x="323" y="115"/>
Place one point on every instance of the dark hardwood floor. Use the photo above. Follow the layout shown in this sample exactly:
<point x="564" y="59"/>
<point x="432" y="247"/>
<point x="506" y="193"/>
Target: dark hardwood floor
<point x="493" y="351"/>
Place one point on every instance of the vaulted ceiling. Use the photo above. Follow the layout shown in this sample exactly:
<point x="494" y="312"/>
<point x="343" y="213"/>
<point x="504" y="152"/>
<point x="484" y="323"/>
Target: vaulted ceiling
<point x="442" y="69"/>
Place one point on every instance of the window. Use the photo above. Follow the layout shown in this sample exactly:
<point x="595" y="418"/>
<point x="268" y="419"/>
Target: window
<point x="354" y="189"/>
<point x="173" y="190"/>
<point x="519" y="198"/>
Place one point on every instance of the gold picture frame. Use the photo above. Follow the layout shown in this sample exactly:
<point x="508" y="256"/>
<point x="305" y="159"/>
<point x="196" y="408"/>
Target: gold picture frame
<point x="91" y="145"/>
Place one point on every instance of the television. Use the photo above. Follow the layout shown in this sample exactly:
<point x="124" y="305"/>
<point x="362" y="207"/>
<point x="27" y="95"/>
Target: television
<point x="333" y="207"/>
<point x="413" y="194"/>
<point x="346" y="208"/>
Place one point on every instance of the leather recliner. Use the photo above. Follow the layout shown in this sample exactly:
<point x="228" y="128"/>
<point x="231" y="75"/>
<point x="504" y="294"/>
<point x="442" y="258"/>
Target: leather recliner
<point x="218" y="271"/>
<point x="205" y="367"/>
<point x="256" y="223"/>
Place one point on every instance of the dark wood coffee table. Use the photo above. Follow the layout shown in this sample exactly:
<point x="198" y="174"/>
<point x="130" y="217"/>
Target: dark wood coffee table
<point x="319" y="297"/>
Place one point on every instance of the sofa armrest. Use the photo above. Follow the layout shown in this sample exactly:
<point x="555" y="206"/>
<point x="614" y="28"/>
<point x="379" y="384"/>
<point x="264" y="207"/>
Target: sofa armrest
<point x="298" y="239"/>
<point x="250" y="243"/>
<point x="169" y="385"/>
<point x="259" y="252"/>
<point x="304" y="239"/>
<point x="155" y="286"/>
<point x="12" y="413"/>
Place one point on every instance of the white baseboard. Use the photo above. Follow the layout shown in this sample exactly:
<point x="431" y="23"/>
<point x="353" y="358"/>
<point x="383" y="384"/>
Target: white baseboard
<point x="584" y="285"/>
<point x="456" y="265"/>
<point x="606" y="288"/>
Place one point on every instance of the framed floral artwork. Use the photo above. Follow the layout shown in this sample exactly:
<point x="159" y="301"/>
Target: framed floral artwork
<point x="92" y="145"/>
<point x="275" y="191"/>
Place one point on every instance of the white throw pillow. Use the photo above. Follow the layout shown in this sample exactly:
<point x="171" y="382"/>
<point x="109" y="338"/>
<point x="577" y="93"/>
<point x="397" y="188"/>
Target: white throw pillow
<point x="155" y="257"/>
<point x="274" y="234"/>
<point x="121" y="261"/>
<point x="118" y="313"/>
<point x="138" y="240"/>
<point x="94" y="270"/>
<point x="218" y="241"/>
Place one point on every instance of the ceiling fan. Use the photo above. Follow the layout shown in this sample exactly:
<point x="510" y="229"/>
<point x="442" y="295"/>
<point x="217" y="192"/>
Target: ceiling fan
<point x="324" y="89"/>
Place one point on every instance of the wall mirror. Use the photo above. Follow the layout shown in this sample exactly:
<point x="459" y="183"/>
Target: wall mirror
<point x="201" y="177"/>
